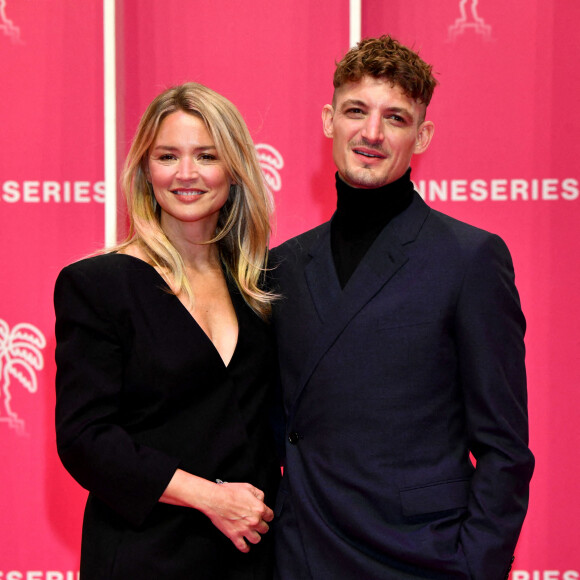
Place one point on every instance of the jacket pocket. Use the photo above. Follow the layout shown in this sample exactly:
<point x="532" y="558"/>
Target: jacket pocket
<point x="436" y="497"/>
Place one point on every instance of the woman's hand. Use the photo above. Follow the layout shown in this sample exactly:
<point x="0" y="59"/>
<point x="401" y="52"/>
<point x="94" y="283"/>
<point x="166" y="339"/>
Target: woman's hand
<point x="235" y="509"/>
<point x="239" y="512"/>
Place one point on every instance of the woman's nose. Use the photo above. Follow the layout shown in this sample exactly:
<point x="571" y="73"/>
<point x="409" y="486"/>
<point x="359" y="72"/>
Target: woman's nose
<point x="187" y="169"/>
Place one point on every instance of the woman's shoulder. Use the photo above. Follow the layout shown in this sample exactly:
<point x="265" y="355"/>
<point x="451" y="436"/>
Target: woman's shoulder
<point x="99" y="264"/>
<point x="106" y="268"/>
<point x="109" y="281"/>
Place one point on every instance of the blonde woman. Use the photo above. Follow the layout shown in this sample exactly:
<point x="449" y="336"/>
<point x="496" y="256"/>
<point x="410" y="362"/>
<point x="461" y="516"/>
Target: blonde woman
<point x="164" y="358"/>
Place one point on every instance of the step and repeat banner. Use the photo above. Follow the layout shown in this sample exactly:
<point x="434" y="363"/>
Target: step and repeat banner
<point x="51" y="213"/>
<point x="504" y="157"/>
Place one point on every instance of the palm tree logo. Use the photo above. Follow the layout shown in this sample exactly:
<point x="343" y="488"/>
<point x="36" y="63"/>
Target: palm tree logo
<point x="271" y="162"/>
<point x="20" y="358"/>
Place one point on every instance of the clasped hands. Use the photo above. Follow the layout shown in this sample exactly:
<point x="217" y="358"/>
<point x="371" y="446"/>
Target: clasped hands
<point x="239" y="512"/>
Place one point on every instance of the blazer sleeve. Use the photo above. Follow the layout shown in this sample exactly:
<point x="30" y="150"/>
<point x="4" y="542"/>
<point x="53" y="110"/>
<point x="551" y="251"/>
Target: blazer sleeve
<point x="92" y="444"/>
<point x="490" y="341"/>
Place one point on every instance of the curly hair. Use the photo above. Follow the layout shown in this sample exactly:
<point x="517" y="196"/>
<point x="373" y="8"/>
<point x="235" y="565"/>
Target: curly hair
<point x="385" y="57"/>
<point x="243" y="229"/>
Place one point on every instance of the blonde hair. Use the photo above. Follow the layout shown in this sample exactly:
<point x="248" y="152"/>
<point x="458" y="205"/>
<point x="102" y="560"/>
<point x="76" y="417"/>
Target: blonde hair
<point x="243" y="229"/>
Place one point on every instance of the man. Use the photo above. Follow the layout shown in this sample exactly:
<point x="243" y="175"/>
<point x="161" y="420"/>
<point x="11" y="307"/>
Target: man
<point x="401" y="351"/>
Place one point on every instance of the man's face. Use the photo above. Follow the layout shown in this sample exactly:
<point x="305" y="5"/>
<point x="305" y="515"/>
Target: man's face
<point x="376" y="129"/>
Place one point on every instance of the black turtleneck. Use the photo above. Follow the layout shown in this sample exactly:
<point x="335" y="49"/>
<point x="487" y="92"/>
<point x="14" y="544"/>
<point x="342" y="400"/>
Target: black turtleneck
<point x="361" y="215"/>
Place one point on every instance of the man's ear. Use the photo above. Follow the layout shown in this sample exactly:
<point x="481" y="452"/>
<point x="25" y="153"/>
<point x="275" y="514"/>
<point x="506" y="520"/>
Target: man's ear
<point x="327" y="118"/>
<point x="424" y="136"/>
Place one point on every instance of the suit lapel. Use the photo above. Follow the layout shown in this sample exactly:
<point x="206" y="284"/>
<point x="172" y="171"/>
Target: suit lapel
<point x="321" y="277"/>
<point x="337" y="307"/>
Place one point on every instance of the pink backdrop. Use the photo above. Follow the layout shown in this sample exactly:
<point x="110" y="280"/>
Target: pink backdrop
<point x="503" y="158"/>
<point x="51" y="212"/>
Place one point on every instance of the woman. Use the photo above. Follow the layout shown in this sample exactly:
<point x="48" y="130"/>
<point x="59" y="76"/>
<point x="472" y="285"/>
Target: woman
<point x="164" y="358"/>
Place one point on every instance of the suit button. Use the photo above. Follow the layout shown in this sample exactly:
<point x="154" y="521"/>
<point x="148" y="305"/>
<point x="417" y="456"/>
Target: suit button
<point x="294" y="437"/>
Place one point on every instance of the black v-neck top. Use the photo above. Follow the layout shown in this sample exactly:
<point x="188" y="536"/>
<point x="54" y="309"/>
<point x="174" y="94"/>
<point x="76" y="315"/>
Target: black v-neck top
<point x="141" y="391"/>
<point x="361" y="215"/>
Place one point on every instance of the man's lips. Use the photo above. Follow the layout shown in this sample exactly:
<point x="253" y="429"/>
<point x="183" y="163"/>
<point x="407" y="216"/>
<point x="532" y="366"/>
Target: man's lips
<point x="370" y="153"/>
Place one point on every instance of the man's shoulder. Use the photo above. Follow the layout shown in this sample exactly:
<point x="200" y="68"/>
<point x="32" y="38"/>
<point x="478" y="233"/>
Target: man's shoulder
<point x="457" y="228"/>
<point x="301" y="243"/>
<point x="453" y="238"/>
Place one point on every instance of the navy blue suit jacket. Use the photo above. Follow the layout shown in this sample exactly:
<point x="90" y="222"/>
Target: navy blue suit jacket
<point x="388" y="385"/>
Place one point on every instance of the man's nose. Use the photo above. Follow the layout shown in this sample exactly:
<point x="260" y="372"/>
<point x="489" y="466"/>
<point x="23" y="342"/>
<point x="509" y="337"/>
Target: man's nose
<point x="373" y="128"/>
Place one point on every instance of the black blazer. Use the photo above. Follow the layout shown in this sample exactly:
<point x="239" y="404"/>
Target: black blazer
<point x="141" y="391"/>
<point x="388" y="386"/>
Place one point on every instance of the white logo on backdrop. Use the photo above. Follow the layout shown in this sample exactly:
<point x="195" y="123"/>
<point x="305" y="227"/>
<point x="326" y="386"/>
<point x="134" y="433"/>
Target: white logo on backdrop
<point x="6" y="25"/>
<point x="271" y="162"/>
<point x="469" y="20"/>
<point x="20" y="358"/>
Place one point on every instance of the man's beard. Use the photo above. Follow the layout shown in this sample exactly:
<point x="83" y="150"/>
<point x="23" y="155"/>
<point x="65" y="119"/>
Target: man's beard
<point x="365" y="178"/>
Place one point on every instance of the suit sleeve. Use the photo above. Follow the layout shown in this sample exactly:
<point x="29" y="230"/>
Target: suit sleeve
<point x="92" y="444"/>
<point x="490" y="341"/>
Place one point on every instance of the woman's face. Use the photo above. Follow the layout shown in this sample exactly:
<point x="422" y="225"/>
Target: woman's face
<point x="189" y="180"/>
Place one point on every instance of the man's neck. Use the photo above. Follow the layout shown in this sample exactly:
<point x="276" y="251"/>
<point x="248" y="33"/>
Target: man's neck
<point x="361" y="215"/>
